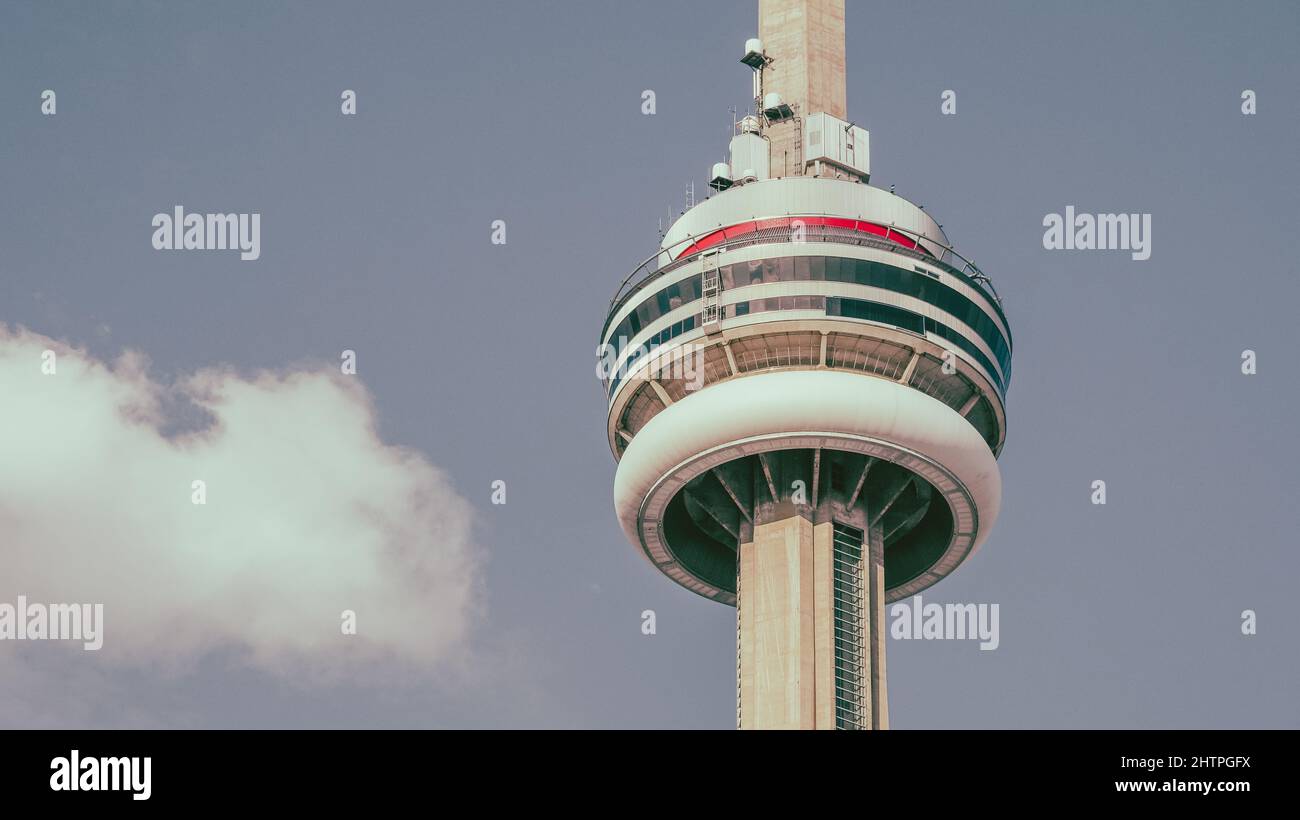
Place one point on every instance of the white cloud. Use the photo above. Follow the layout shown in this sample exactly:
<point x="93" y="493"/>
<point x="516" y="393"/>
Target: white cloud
<point x="308" y="514"/>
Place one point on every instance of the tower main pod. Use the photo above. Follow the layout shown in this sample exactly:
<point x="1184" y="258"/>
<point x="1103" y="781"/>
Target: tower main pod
<point x="806" y="393"/>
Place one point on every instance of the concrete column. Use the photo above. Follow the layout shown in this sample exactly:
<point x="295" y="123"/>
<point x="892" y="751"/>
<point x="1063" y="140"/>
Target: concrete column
<point x="874" y="556"/>
<point x="777" y="624"/>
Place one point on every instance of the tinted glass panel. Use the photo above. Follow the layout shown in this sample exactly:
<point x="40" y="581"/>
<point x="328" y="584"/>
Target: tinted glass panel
<point x="819" y="268"/>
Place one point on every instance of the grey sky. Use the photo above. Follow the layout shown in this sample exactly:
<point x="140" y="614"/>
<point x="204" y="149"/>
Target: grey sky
<point x="375" y="237"/>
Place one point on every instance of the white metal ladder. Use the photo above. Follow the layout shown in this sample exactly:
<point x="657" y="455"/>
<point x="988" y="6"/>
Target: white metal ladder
<point x="710" y="288"/>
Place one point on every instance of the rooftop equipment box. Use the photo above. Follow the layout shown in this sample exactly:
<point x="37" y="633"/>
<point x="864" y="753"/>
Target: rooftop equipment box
<point x="831" y="140"/>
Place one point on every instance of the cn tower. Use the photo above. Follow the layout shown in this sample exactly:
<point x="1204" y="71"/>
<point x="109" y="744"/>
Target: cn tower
<point x="806" y="388"/>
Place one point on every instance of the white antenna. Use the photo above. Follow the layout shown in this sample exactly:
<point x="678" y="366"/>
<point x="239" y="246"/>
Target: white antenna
<point x="757" y="59"/>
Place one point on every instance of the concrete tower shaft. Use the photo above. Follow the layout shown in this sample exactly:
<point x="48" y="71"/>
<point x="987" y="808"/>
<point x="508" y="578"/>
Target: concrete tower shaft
<point x="805" y="41"/>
